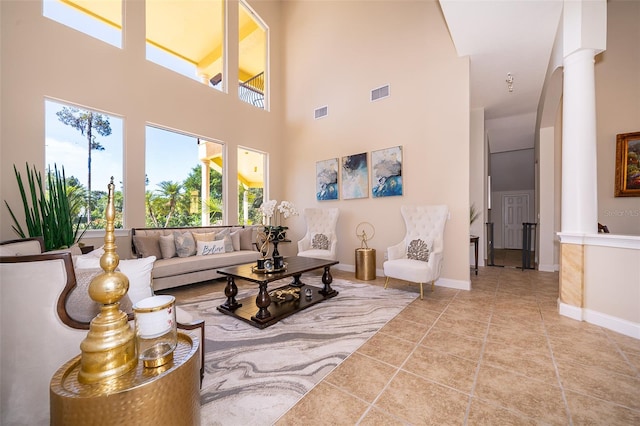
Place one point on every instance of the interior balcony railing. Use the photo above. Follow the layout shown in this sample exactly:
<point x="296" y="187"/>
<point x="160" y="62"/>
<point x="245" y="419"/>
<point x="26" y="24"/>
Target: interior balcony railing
<point x="252" y="91"/>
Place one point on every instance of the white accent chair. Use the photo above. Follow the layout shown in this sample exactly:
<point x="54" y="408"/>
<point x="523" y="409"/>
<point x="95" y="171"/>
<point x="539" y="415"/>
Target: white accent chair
<point x="425" y="230"/>
<point x="320" y="241"/>
<point x="37" y="334"/>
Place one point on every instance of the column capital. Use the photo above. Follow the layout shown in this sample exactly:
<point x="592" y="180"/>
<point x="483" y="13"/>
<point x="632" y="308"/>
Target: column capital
<point x="584" y="26"/>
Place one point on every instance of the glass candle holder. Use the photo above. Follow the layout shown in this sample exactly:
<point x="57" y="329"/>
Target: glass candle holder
<point x="156" y="332"/>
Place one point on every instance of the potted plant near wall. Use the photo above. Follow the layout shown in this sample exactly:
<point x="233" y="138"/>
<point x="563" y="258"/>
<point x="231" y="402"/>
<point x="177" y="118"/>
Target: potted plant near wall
<point x="49" y="212"/>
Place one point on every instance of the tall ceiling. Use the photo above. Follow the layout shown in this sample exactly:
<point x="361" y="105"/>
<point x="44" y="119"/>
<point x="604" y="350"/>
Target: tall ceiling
<point x="504" y="37"/>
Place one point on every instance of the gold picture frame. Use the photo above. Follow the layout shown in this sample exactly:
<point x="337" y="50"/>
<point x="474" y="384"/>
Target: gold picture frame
<point x="627" y="165"/>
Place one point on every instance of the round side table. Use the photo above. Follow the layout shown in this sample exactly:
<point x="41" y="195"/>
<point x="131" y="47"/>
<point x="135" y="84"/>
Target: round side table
<point x="166" y="395"/>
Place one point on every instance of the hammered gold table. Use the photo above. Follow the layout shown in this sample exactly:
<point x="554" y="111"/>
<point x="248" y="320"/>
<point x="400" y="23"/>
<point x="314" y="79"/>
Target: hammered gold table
<point x="166" y="395"/>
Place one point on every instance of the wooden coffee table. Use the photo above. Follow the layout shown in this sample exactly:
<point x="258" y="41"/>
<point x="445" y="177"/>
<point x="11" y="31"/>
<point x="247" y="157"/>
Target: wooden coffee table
<point x="263" y="311"/>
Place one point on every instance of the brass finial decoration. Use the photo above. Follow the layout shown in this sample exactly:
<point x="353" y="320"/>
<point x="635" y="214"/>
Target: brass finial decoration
<point x="109" y="350"/>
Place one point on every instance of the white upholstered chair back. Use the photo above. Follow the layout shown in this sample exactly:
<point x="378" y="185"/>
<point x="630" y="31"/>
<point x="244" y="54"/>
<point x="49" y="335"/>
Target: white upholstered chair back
<point x="34" y="341"/>
<point x="22" y="247"/>
<point x="320" y="221"/>
<point x="425" y="223"/>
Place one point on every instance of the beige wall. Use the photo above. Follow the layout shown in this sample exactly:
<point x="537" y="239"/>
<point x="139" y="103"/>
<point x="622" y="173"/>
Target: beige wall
<point x="613" y="293"/>
<point x="618" y="110"/>
<point x="336" y="53"/>
<point x="46" y="59"/>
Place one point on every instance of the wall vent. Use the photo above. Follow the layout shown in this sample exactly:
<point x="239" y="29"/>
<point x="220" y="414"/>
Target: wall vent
<point x="321" y="112"/>
<point x="379" y="93"/>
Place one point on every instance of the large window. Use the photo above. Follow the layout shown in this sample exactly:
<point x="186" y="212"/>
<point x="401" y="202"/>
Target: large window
<point x="99" y="19"/>
<point x="252" y="57"/>
<point x="88" y="145"/>
<point x="183" y="179"/>
<point x="251" y="178"/>
<point x="187" y="37"/>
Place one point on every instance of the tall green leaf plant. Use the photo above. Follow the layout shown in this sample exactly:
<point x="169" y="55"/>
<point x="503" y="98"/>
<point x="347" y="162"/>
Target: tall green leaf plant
<point x="48" y="213"/>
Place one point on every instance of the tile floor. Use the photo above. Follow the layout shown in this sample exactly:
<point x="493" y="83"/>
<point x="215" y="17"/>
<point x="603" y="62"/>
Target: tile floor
<point x="497" y="355"/>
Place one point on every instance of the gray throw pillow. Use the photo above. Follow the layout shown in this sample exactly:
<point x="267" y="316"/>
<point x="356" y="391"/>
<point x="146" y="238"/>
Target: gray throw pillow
<point x="228" y="242"/>
<point x="147" y="245"/>
<point x="185" y="244"/>
<point x="167" y="246"/>
<point x="418" y="250"/>
<point x="320" y="242"/>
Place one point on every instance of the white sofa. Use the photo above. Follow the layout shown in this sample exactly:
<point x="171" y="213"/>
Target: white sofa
<point x="172" y="271"/>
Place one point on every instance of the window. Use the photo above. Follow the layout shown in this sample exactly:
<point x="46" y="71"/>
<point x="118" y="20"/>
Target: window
<point x="252" y="56"/>
<point x="99" y="19"/>
<point x="251" y="179"/>
<point x="88" y="145"/>
<point x="187" y="37"/>
<point x="177" y="194"/>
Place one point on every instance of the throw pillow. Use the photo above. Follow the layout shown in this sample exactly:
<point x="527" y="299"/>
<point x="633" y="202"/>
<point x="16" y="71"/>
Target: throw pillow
<point x="247" y="239"/>
<point x="235" y="240"/>
<point x="206" y="248"/>
<point x="139" y="273"/>
<point x="418" y="250"/>
<point x="185" y="243"/>
<point x="204" y="236"/>
<point x="167" y="246"/>
<point x="80" y="306"/>
<point x="147" y="245"/>
<point x="320" y="242"/>
<point x="228" y="243"/>
<point x="89" y="260"/>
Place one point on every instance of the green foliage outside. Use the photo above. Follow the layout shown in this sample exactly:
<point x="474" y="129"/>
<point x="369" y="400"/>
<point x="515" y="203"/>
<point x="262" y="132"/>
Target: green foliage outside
<point x="173" y="203"/>
<point x="51" y="209"/>
<point x="87" y="123"/>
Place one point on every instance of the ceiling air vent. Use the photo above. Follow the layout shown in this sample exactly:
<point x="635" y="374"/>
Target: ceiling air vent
<point x="321" y="112"/>
<point x="379" y="93"/>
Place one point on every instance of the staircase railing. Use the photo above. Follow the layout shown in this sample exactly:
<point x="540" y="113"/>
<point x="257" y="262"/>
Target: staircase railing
<point x="252" y="91"/>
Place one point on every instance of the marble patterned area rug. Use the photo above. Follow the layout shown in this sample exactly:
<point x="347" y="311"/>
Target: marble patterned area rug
<point x="254" y="376"/>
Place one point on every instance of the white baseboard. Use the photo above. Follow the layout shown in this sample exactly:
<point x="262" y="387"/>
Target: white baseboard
<point x="457" y="284"/>
<point x="618" y="325"/>
<point x="548" y="268"/>
<point x="609" y="322"/>
<point x="442" y="282"/>
<point x="570" y="311"/>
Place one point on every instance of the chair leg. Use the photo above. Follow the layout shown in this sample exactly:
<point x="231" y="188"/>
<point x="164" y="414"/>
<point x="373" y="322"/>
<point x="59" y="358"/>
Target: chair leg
<point x="433" y="283"/>
<point x="421" y="292"/>
<point x="386" y="282"/>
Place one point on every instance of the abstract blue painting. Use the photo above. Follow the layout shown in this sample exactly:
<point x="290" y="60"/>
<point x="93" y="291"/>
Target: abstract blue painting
<point x="386" y="172"/>
<point x="327" y="180"/>
<point x="355" y="176"/>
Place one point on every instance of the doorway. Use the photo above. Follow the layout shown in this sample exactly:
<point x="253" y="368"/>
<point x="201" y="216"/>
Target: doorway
<point x="515" y="211"/>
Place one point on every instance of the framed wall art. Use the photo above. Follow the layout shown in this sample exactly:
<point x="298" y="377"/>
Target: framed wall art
<point x="355" y="176"/>
<point x="327" y="179"/>
<point x="386" y="172"/>
<point x="628" y="165"/>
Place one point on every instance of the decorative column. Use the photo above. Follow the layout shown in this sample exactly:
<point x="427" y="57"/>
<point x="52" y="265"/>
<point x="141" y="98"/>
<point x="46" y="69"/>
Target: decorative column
<point x="584" y="37"/>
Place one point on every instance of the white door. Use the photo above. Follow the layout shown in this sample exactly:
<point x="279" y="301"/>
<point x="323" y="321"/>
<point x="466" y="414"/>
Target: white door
<point x="515" y="211"/>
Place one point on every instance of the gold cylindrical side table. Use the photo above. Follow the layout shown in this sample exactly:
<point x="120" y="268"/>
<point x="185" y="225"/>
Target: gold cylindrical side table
<point x="365" y="263"/>
<point x="166" y="395"/>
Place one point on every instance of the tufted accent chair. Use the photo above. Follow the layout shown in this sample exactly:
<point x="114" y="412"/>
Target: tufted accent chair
<point x="424" y="224"/>
<point x="320" y="222"/>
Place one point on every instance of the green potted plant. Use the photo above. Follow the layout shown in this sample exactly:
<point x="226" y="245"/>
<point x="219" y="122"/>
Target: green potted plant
<point x="48" y="211"/>
<point x="473" y="214"/>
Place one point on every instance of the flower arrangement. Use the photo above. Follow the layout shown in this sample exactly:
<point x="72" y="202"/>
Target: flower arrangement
<point x="274" y="230"/>
<point x="285" y="210"/>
